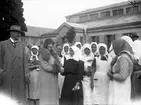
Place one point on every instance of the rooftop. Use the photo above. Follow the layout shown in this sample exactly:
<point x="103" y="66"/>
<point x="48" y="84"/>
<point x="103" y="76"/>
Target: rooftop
<point x="74" y="25"/>
<point x="127" y="19"/>
<point x="102" y="23"/>
<point x="37" y="31"/>
<point x="100" y="8"/>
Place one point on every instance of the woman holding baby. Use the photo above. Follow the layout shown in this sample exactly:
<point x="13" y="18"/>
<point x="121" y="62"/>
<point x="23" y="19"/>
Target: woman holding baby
<point x="48" y="74"/>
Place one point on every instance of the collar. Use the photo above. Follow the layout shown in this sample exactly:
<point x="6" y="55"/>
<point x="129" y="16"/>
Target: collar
<point x="12" y="40"/>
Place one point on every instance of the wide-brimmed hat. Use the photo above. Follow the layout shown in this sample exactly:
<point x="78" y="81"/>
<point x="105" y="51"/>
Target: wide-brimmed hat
<point x="15" y="28"/>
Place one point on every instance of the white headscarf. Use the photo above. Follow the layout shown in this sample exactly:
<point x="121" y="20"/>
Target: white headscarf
<point x="105" y="46"/>
<point x="87" y="45"/>
<point x="111" y="52"/>
<point x="63" y="51"/>
<point x="96" y="47"/>
<point x="36" y="55"/>
<point x="77" y="53"/>
<point x="78" y="43"/>
<point x="128" y="39"/>
<point x="86" y="58"/>
<point x="136" y="49"/>
<point x="65" y="54"/>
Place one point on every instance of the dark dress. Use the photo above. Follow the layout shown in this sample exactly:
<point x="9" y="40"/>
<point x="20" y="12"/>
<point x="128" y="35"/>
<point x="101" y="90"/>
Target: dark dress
<point x="136" y="82"/>
<point x="73" y="71"/>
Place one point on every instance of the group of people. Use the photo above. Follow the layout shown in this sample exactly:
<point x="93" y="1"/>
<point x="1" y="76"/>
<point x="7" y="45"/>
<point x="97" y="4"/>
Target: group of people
<point x="106" y="76"/>
<point x="72" y="74"/>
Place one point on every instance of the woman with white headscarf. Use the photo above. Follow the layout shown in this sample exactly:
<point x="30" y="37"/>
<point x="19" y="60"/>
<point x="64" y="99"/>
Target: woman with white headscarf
<point x="136" y="49"/>
<point x="87" y="58"/>
<point x="65" y="53"/>
<point x="128" y="40"/>
<point x="65" y="56"/>
<point x="65" y="50"/>
<point x="94" y="48"/>
<point x="101" y="80"/>
<point x="33" y="75"/>
<point x="34" y="53"/>
<point x="72" y="88"/>
<point x="78" y="44"/>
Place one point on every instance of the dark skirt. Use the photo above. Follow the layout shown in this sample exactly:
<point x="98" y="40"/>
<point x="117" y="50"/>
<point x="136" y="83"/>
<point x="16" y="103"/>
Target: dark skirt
<point x="68" y="96"/>
<point x="136" y="86"/>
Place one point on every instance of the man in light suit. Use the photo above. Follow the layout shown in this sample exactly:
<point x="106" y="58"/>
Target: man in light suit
<point x="12" y="66"/>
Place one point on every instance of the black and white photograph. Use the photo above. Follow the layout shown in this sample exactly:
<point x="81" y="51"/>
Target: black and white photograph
<point x="70" y="52"/>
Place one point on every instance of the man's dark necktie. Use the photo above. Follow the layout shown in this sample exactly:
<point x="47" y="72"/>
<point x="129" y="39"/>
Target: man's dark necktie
<point x="14" y="44"/>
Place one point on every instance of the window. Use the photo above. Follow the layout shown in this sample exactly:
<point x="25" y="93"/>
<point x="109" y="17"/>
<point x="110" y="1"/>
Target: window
<point x="83" y="18"/>
<point x="109" y="39"/>
<point x="93" y="16"/>
<point x="95" y="39"/>
<point x="130" y="10"/>
<point x="105" y="14"/>
<point x="118" y="12"/>
<point x="81" y="40"/>
<point x="114" y="12"/>
<point x="136" y="9"/>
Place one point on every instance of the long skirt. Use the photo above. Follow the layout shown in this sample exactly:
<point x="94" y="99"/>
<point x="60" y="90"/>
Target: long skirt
<point x="33" y="85"/>
<point x="48" y="88"/>
<point x="87" y="91"/>
<point x="101" y="88"/>
<point x="136" y="86"/>
<point x="60" y="83"/>
<point x="68" y="96"/>
<point x="119" y="92"/>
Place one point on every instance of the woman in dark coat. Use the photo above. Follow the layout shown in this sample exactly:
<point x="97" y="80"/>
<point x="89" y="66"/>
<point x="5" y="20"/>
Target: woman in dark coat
<point x="72" y="88"/>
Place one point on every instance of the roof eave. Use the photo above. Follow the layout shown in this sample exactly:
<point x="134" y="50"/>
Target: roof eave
<point x="115" y="27"/>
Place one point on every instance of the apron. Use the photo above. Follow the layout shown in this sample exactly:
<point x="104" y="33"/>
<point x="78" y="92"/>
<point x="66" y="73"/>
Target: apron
<point x="101" y="82"/>
<point x="119" y="92"/>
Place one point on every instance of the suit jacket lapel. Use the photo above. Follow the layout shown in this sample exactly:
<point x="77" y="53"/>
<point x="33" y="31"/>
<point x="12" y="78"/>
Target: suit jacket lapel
<point x="10" y="47"/>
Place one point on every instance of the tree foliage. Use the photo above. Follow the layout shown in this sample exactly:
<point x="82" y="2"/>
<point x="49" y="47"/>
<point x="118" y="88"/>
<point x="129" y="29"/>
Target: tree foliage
<point x="71" y="35"/>
<point x="11" y="12"/>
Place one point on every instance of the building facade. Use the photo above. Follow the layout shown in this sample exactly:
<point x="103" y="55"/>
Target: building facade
<point x="36" y="35"/>
<point x="106" y="23"/>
